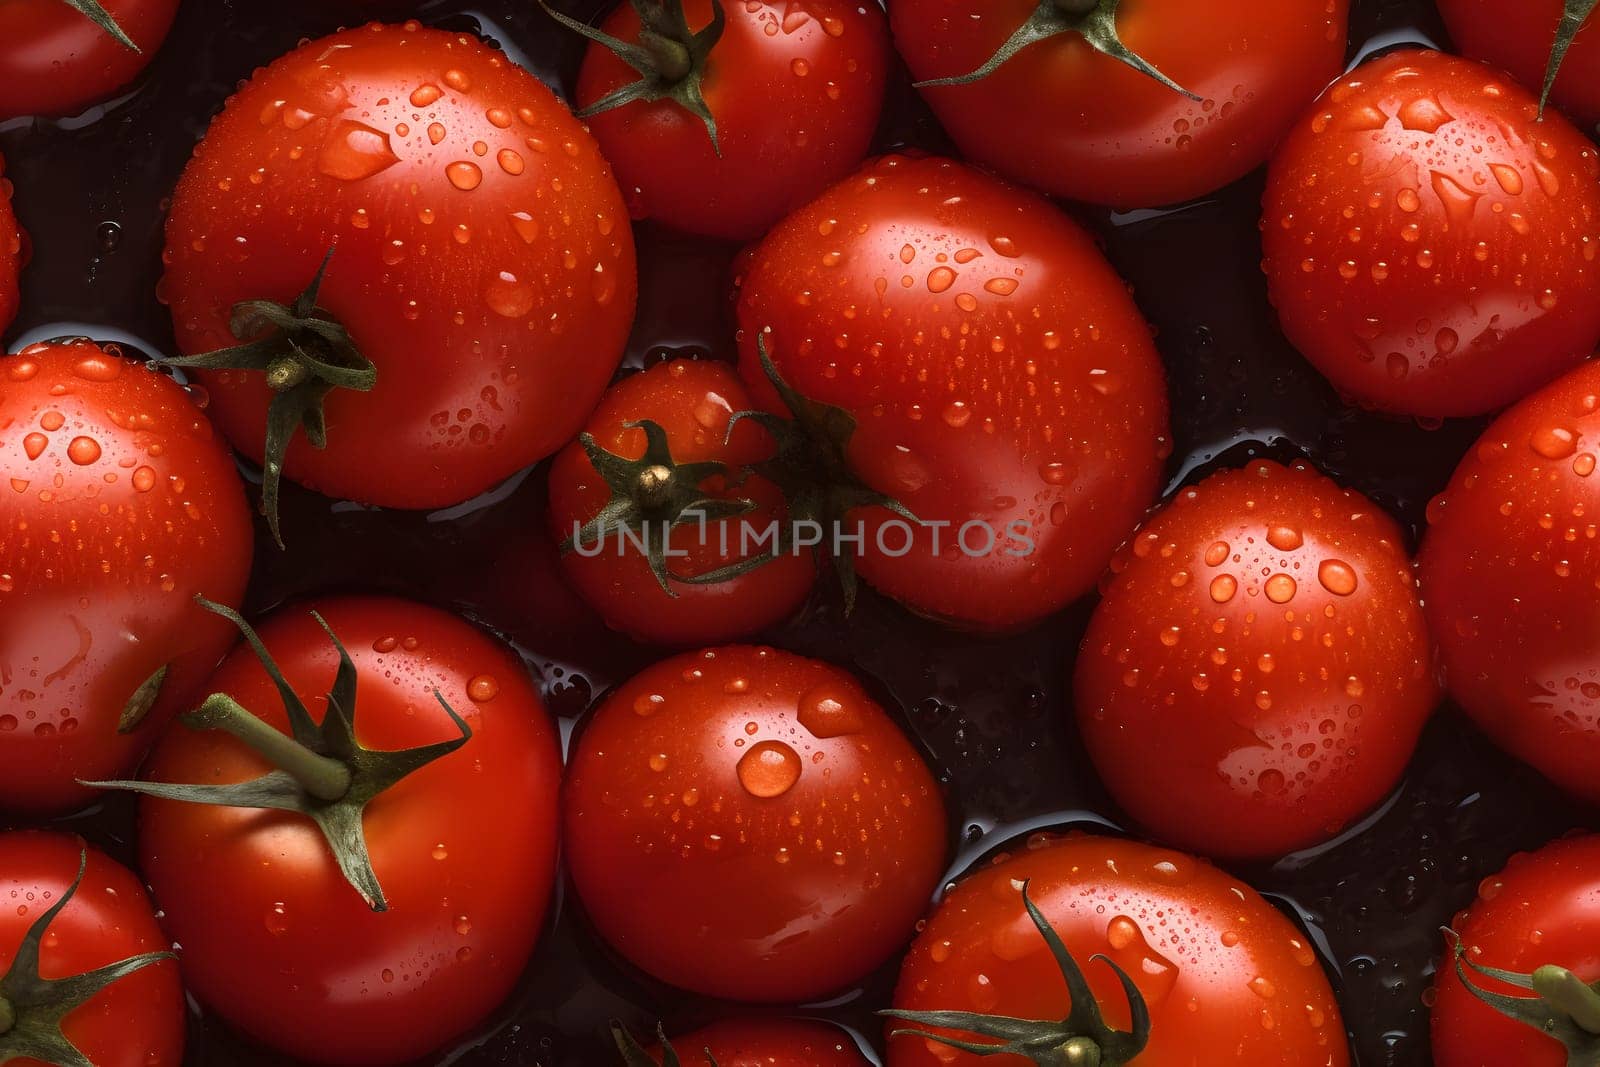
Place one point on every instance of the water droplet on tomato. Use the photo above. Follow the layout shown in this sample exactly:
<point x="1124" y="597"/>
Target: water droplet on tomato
<point x="769" y="769"/>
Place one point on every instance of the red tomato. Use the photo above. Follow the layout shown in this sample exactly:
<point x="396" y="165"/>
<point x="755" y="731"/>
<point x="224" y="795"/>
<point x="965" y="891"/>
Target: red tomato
<point x="123" y="505"/>
<point x="58" y="61"/>
<point x="1260" y="641"/>
<point x="691" y="403"/>
<point x="136" y="1020"/>
<point x="1227" y="979"/>
<point x="1543" y="909"/>
<point x="764" y="1043"/>
<point x="794" y="111"/>
<point x="1516" y="35"/>
<point x="1511" y="576"/>
<point x="10" y="253"/>
<point x="788" y="833"/>
<point x="1000" y="382"/>
<point x="1075" y="122"/>
<point x="484" y="260"/>
<point x="1429" y="245"/>
<point x="465" y="848"/>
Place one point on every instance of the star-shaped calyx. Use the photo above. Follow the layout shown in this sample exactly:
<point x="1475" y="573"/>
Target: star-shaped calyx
<point x="634" y="1055"/>
<point x="1563" y="1006"/>
<point x="96" y="13"/>
<point x="1574" y="13"/>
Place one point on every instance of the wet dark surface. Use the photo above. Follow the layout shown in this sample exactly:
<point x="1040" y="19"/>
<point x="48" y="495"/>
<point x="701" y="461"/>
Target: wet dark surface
<point x="993" y="713"/>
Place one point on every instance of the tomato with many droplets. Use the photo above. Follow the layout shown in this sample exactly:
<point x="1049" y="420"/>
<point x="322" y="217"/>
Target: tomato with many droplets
<point x="1260" y="640"/>
<point x="11" y="254"/>
<point x="765" y="1043"/>
<point x="120" y="504"/>
<point x="483" y="258"/>
<point x="58" y="61"/>
<point x="137" y="1020"/>
<point x="1429" y="244"/>
<point x="795" y="94"/>
<point x="1001" y="381"/>
<point x="693" y="403"/>
<point x="465" y="847"/>
<point x="1516" y="36"/>
<point x="1074" y="122"/>
<point x="1511" y="576"/>
<point x="749" y="824"/>
<point x="1227" y="979"/>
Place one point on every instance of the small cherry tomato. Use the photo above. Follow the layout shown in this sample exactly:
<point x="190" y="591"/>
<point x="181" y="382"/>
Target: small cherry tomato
<point x="59" y="57"/>
<point x="1517" y="35"/>
<point x="748" y="1043"/>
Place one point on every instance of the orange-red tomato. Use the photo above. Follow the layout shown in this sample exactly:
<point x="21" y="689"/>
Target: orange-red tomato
<point x="10" y="254"/>
<point x="1511" y="577"/>
<point x="1430" y="246"/>
<point x="57" y="61"/>
<point x="484" y="260"/>
<point x="122" y="504"/>
<point x="1001" y="383"/>
<point x="765" y="1043"/>
<point x="1261" y="643"/>
<point x="692" y="402"/>
<point x="749" y="824"/>
<point x="1074" y="122"/>
<point x="1227" y="979"/>
<point x="1517" y="35"/>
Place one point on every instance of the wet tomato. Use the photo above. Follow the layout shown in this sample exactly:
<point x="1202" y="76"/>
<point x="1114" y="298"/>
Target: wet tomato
<point x="1516" y="35"/>
<point x="753" y="1043"/>
<point x="1511" y="576"/>
<point x="462" y="849"/>
<point x="1261" y="642"/>
<point x="1429" y="244"/>
<point x="122" y="505"/>
<point x="482" y="269"/>
<point x="643" y="506"/>
<point x="72" y="911"/>
<point x="1531" y="922"/>
<point x="987" y="370"/>
<point x="10" y="254"/>
<point x="747" y="823"/>
<point x="57" y="60"/>
<point x="790" y="112"/>
<point x="1099" y="129"/>
<point x="1225" y="977"/>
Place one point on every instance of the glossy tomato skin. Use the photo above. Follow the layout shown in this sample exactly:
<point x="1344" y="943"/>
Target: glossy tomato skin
<point x="997" y="371"/>
<point x="1261" y="642"/>
<point x="1429" y="246"/>
<point x="465" y="848"/>
<point x="124" y="505"/>
<point x="57" y="61"/>
<point x="1100" y="131"/>
<point x="693" y="402"/>
<point x="1206" y="973"/>
<point x="136" y="1021"/>
<point x="788" y="833"/>
<point x="484" y="260"/>
<point x="766" y="1043"/>
<point x="795" y="112"/>
<point x="1509" y="574"/>
<point x="1544" y="908"/>
<point x="1517" y="35"/>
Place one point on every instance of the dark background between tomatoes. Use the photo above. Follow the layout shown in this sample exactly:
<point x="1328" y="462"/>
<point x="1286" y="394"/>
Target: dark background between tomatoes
<point x="992" y="713"/>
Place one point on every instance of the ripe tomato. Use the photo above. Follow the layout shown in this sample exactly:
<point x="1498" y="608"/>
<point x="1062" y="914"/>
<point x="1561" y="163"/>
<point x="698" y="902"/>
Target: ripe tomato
<point x="788" y="833"/>
<point x="793" y="111"/>
<point x="1517" y="37"/>
<point x="1511" y="577"/>
<point x="58" y="60"/>
<point x="1429" y="244"/>
<point x="690" y="404"/>
<point x="129" y="1016"/>
<point x="1226" y="978"/>
<point x="484" y="263"/>
<point x="1260" y="641"/>
<point x="1542" y="911"/>
<point x="464" y="848"/>
<point x="996" y="378"/>
<point x="751" y="1043"/>
<point x="1095" y="127"/>
<point x="122" y="505"/>
<point x="10" y="254"/>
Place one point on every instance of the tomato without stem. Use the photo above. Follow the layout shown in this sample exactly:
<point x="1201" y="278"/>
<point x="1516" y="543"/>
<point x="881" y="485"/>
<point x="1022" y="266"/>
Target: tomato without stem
<point x="464" y="847"/>
<point x="1261" y="643"/>
<point x="747" y="823"/>
<point x="999" y="381"/>
<point x="122" y="505"/>
<point x="793" y="94"/>
<point x="758" y="1043"/>
<point x="691" y="404"/>
<point x="1073" y="121"/>
<point x="58" y="61"/>
<point x="1226" y="978"/>
<point x="1511" y="577"/>
<point x="1429" y="245"/>
<point x="1516" y="35"/>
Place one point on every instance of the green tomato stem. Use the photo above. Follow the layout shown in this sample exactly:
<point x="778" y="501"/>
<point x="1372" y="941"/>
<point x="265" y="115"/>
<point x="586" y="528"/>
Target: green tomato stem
<point x="1076" y="7"/>
<point x="321" y="776"/>
<point x="1081" y="1052"/>
<point x="8" y="1015"/>
<point x="1569" y="994"/>
<point x="673" y="59"/>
